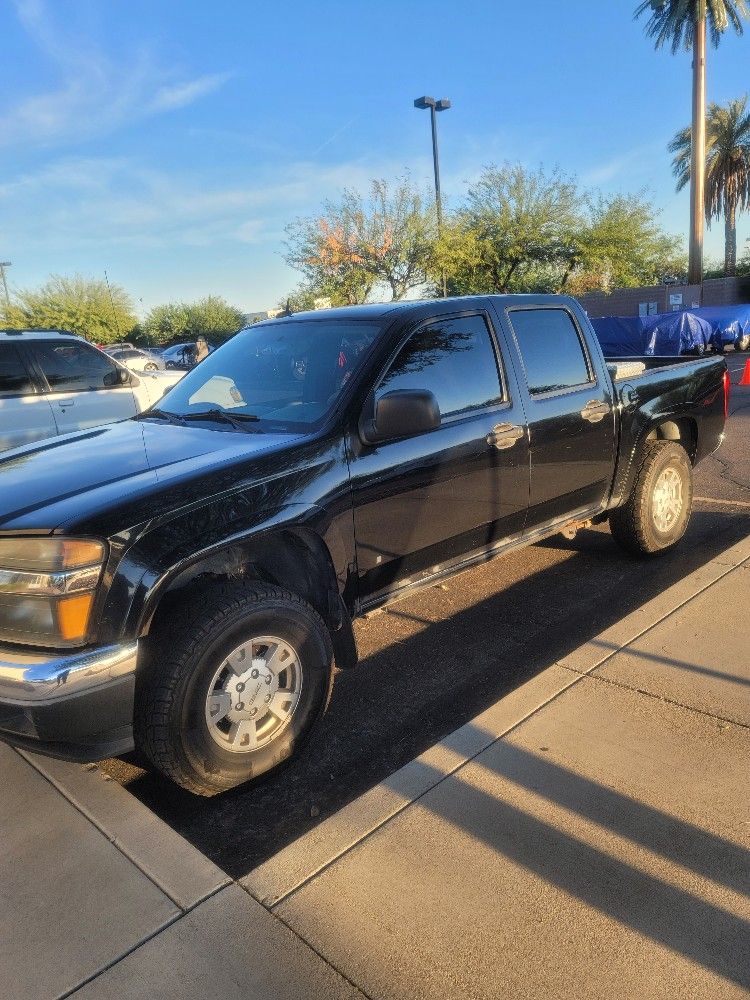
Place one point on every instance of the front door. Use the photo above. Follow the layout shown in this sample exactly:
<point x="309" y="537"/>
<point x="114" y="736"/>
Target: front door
<point x="426" y="501"/>
<point x="25" y="414"/>
<point x="84" y="390"/>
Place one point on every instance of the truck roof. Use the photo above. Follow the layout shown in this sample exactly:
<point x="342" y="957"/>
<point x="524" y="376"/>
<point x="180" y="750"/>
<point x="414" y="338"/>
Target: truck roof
<point x="379" y="310"/>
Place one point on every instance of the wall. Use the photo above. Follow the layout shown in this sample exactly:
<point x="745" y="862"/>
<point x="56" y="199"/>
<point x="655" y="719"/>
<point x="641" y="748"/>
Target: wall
<point x="625" y="301"/>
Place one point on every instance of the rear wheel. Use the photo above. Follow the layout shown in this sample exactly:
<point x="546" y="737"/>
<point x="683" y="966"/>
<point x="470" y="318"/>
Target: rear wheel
<point x="234" y="684"/>
<point x="656" y="516"/>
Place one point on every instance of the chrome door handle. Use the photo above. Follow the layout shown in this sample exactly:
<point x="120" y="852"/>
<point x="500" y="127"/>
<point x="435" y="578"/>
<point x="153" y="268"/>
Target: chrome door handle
<point x="504" y="436"/>
<point x="595" y="410"/>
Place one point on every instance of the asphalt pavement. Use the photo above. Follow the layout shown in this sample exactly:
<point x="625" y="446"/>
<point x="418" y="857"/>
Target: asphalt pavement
<point x="433" y="662"/>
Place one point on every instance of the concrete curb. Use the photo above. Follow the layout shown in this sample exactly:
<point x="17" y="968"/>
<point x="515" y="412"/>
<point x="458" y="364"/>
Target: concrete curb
<point x="176" y="867"/>
<point x="276" y="879"/>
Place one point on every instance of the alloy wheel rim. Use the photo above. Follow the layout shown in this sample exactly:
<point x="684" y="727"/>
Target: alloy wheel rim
<point x="666" y="500"/>
<point x="253" y="694"/>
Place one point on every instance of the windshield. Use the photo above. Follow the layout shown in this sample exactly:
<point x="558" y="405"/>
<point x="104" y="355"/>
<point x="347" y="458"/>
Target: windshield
<point x="287" y="374"/>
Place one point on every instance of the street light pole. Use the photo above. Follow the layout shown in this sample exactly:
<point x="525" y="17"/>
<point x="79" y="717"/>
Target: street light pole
<point x="3" y="265"/>
<point x="442" y="105"/>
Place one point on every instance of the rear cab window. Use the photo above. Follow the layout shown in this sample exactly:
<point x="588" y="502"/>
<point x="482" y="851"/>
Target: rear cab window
<point x="14" y="378"/>
<point x="453" y="358"/>
<point x="554" y="356"/>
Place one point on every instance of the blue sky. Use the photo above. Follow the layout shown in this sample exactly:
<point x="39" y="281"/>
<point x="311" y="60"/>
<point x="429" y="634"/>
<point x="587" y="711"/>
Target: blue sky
<point x="170" y="141"/>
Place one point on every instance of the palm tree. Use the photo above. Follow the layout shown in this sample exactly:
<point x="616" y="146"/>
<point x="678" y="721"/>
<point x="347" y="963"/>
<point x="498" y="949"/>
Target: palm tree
<point x="683" y="24"/>
<point x="727" y="168"/>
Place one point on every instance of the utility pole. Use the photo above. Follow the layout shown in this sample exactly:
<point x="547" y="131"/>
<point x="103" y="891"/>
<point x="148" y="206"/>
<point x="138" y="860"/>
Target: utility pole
<point x="442" y="105"/>
<point x="3" y="265"/>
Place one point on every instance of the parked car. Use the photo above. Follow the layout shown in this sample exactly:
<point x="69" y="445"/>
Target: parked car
<point x="52" y="383"/>
<point x="183" y="581"/>
<point x="137" y="360"/>
<point x="181" y="357"/>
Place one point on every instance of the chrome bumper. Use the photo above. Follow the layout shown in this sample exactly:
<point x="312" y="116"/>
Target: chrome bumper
<point x="34" y="679"/>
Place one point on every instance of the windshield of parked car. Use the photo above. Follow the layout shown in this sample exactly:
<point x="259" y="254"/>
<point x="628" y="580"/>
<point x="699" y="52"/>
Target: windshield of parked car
<point x="288" y="373"/>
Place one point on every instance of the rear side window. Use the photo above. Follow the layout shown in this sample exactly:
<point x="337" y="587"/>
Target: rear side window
<point x="14" y="379"/>
<point x="454" y="359"/>
<point x="72" y="367"/>
<point x="551" y="349"/>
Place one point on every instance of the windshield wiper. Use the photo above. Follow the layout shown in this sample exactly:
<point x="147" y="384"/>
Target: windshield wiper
<point x="173" y="418"/>
<point x="237" y="420"/>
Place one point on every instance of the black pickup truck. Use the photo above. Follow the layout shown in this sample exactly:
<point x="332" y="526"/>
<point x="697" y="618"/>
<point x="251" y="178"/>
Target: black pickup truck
<point x="183" y="581"/>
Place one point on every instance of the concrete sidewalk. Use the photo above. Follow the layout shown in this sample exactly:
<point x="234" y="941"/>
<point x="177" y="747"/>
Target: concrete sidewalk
<point x="94" y="888"/>
<point x="587" y="836"/>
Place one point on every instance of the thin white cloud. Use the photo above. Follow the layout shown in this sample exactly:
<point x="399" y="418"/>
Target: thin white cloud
<point x="97" y="93"/>
<point x="181" y="94"/>
<point x="93" y="203"/>
<point x="626" y="165"/>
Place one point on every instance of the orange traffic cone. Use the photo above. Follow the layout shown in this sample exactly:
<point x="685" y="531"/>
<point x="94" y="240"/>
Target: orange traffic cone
<point x="745" y="380"/>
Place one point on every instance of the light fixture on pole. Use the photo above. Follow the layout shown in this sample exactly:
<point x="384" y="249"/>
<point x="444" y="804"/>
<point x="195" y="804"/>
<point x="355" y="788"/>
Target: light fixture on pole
<point x="441" y="105"/>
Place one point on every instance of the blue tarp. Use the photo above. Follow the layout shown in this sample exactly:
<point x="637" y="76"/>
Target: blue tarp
<point x="665" y="334"/>
<point x="728" y="323"/>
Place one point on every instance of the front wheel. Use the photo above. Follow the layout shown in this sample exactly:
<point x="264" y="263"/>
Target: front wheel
<point x="234" y="684"/>
<point x="743" y="343"/>
<point x="657" y="513"/>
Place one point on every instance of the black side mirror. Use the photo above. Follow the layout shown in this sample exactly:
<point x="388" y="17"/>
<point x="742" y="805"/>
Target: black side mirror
<point x="399" y="413"/>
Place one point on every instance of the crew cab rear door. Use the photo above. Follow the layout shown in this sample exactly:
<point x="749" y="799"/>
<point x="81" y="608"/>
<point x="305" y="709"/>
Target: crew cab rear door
<point x="424" y="502"/>
<point x="83" y="384"/>
<point x="569" y="408"/>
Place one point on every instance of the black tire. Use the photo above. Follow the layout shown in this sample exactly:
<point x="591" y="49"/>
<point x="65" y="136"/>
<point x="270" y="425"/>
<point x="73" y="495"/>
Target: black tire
<point x="182" y="656"/>
<point x="743" y="343"/>
<point x="633" y="525"/>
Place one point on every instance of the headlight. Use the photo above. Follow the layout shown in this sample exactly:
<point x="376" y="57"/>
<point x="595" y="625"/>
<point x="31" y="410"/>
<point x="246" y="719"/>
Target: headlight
<point x="47" y="588"/>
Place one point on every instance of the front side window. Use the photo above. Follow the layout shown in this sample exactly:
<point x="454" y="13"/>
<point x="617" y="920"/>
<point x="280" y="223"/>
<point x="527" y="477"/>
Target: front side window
<point x="72" y="367"/>
<point x="14" y="379"/>
<point x="551" y="350"/>
<point x="286" y="374"/>
<point x="453" y="359"/>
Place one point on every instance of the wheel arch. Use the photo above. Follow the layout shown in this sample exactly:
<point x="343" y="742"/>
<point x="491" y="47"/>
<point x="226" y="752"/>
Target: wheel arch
<point x="683" y="430"/>
<point x="294" y="558"/>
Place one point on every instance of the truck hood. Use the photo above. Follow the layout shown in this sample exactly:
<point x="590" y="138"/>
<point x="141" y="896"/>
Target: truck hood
<point x="42" y="485"/>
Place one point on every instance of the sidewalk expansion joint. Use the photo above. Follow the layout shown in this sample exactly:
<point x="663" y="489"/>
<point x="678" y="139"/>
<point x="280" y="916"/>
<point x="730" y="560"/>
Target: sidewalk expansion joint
<point x="667" y="701"/>
<point x="309" y="945"/>
<point x="139" y="944"/>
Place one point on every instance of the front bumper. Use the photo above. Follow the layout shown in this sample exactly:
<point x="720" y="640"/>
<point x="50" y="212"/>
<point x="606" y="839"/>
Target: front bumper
<point x="78" y="706"/>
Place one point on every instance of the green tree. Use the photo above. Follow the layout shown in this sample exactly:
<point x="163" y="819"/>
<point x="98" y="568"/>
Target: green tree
<point x="682" y="24"/>
<point x="102" y="313"/>
<point x="622" y="245"/>
<point x="212" y="317"/>
<point x="215" y="318"/>
<point x="727" y="168"/>
<point x="170" y="321"/>
<point x="359" y="242"/>
<point x="515" y="232"/>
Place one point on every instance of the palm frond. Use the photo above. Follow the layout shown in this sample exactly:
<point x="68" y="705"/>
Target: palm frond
<point x="672" y="22"/>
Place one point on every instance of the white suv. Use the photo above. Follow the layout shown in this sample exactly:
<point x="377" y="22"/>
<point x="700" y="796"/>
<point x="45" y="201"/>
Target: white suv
<point x="52" y="383"/>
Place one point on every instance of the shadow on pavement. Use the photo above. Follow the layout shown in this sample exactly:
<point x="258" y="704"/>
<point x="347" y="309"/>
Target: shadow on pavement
<point x="429" y="666"/>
